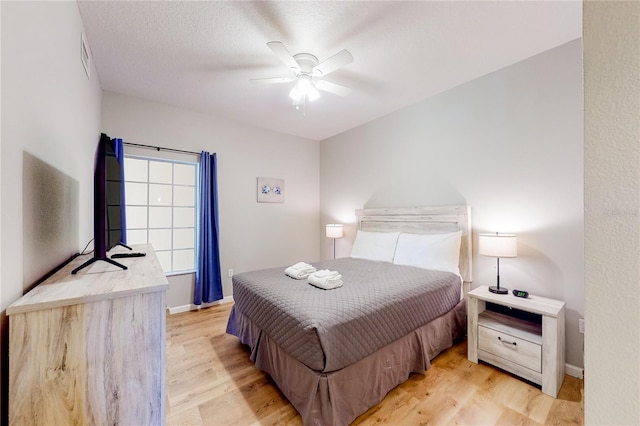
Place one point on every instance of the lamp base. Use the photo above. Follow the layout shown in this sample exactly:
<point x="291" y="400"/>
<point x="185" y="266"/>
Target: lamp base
<point x="498" y="290"/>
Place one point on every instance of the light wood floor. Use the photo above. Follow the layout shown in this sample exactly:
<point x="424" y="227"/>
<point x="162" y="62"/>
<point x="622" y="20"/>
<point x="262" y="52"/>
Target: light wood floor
<point x="211" y="381"/>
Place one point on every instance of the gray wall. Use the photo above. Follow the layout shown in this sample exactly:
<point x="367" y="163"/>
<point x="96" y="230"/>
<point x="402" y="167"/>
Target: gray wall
<point x="252" y="235"/>
<point x="50" y="131"/>
<point x="612" y="209"/>
<point x="508" y="144"/>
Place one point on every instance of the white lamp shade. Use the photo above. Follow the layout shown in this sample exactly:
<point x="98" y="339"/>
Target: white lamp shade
<point x="313" y="93"/>
<point x="498" y="245"/>
<point x="334" y="230"/>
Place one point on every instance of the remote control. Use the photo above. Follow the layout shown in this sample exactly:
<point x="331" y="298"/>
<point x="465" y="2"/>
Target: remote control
<point x="521" y="293"/>
<point x="122" y="255"/>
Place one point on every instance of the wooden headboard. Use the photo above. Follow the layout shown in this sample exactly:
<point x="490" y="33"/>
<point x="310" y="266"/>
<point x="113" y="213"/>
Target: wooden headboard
<point x="424" y="220"/>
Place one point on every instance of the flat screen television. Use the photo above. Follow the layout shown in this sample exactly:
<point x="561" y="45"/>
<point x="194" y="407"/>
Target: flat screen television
<point x="107" y="204"/>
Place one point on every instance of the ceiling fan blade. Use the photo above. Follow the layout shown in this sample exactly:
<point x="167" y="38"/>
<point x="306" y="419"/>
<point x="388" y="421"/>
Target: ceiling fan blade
<point x="334" y="88"/>
<point x="283" y="54"/>
<point x="272" y="80"/>
<point x="338" y="60"/>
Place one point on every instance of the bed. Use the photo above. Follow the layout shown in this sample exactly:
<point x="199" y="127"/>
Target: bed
<point x="335" y="353"/>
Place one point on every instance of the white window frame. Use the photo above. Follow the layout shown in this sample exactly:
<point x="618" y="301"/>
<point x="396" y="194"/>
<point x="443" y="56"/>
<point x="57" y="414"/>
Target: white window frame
<point x="148" y="205"/>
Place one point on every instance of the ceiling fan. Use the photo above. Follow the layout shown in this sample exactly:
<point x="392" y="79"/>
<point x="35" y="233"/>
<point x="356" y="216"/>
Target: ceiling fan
<point x="308" y="73"/>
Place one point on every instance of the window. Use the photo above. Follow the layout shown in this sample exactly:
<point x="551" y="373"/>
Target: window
<point x="161" y="209"/>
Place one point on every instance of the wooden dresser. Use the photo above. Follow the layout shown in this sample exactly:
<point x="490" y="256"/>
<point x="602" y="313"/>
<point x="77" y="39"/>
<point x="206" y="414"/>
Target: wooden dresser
<point x="90" y="348"/>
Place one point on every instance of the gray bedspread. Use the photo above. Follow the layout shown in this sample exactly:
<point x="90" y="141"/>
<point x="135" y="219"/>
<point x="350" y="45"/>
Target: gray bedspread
<point x="331" y="329"/>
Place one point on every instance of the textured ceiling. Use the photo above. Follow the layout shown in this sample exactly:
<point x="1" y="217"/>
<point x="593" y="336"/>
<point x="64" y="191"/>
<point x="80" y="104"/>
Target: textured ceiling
<point x="201" y="55"/>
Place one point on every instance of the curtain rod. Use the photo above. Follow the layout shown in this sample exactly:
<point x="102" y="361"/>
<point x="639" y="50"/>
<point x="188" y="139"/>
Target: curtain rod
<point x="158" y="148"/>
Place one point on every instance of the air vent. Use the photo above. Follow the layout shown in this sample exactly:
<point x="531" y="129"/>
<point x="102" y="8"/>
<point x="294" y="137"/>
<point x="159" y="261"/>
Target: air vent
<point x="84" y="56"/>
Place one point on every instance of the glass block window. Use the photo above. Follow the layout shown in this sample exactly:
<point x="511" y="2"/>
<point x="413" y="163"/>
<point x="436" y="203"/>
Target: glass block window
<point x="161" y="201"/>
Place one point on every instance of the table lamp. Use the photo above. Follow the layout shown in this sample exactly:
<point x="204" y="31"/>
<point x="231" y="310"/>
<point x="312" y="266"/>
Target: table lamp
<point x="334" y="230"/>
<point x="498" y="245"/>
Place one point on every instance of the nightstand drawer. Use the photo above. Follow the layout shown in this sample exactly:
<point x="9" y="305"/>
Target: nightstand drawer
<point x="506" y="346"/>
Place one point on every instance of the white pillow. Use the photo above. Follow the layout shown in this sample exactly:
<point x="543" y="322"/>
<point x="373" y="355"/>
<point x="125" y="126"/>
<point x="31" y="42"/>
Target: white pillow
<point x="429" y="251"/>
<point x="375" y="245"/>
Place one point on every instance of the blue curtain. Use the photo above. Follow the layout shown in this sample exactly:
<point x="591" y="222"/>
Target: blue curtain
<point x="208" y="277"/>
<point x="118" y="149"/>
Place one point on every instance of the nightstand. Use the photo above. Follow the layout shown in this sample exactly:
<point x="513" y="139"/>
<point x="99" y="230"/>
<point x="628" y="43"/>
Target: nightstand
<point x="531" y="348"/>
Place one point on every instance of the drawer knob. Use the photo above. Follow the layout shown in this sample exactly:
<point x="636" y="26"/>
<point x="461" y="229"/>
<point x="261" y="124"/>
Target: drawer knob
<point x="506" y="341"/>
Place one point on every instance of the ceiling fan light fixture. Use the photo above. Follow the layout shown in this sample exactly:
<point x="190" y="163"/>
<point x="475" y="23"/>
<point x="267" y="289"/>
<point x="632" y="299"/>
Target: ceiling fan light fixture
<point x="304" y="88"/>
<point x="297" y="95"/>
<point x="313" y="93"/>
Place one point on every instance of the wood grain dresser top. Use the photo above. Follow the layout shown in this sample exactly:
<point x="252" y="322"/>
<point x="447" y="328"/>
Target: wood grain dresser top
<point x="100" y="281"/>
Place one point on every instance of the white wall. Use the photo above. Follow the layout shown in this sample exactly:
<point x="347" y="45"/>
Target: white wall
<point x="252" y="235"/>
<point x="612" y="210"/>
<point x="508" y="144"/>
<point x="50" y="130"/>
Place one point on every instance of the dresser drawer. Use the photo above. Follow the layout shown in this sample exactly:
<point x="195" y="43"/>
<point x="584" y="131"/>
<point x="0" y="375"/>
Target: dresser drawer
<point x="511" y="348"/>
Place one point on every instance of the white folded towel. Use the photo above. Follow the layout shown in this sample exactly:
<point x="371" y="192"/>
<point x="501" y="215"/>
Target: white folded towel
<point x="325" y="279"/>
<point x="300" y="270"/>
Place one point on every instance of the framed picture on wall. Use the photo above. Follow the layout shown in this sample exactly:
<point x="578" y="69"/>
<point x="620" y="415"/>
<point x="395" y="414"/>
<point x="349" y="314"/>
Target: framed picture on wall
<point x="270" y="190"/>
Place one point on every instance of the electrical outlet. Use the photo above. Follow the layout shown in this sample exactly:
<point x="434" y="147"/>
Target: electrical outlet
<point x="581" y="325"/>
<point x="230" y="273"/>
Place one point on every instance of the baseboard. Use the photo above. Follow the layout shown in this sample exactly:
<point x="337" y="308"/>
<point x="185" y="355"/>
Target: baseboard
<point x="573" y="371"/>
<point x="192" y="307"/>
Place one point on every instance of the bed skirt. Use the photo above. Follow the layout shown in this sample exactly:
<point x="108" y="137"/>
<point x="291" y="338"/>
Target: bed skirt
<point x="338" y="397"/>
